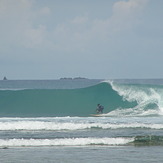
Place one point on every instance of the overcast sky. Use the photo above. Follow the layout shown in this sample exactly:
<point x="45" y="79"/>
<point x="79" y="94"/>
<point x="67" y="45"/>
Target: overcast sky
<point x="50" y="39"/>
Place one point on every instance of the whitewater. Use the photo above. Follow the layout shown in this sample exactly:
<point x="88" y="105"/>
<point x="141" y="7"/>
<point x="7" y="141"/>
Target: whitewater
<point x="50" y="121"/>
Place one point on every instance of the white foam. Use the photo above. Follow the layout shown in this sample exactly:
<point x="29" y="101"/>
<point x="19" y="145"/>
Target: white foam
<point x="143" y="95"/>
<point x="130" y="112"/>
<point x="64" y="142"/>
<point x="53" y="126"/>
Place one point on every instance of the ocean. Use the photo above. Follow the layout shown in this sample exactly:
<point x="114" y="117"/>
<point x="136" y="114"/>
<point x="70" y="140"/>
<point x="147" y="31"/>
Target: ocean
<point x="52" y="121"/>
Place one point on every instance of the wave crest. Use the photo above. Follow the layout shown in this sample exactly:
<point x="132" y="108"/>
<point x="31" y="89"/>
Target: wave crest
<point x="148" y="98"/>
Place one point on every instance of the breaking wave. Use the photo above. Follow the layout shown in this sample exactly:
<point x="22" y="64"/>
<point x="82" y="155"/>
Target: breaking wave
<point x="56" y="126"/>
<point x="63" y="142"/>
<point x="119" y="141"/>
<point x="118" y="99"/>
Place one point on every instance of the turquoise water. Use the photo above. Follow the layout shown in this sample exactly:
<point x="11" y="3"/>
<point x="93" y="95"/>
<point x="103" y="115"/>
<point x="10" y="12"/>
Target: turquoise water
<point x="49" y="121"/>
<point x="54" y="101"/>
<point x="60" y="102"/>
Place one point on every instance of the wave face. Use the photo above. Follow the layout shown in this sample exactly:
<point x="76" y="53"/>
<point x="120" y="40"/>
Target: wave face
<point x="59" y="102"/>
<point x="118" y="100"/>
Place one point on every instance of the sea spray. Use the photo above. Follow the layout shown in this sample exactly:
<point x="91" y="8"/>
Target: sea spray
<point x="148" y="98"/>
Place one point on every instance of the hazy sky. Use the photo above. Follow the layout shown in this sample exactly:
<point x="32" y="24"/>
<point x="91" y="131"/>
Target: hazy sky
<point x="49" y="39"/>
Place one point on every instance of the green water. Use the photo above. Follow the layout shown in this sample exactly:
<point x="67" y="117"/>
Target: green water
<point x="60" y="102"/>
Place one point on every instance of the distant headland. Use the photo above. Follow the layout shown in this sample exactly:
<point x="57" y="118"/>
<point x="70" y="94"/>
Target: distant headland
<point x="76" y="78"/>
<point x="5" y="78"/>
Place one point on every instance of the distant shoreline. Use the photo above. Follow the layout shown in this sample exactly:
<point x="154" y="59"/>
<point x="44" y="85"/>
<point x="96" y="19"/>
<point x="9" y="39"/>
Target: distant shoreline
<point x="76" y="78"/>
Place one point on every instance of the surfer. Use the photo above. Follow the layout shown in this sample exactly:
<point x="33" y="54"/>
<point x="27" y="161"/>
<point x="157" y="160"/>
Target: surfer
<point x="99" y="109"/>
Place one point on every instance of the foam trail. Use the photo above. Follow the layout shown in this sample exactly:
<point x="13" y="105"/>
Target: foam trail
<point x="64" y="142"/>
<point x="53" y="126"/>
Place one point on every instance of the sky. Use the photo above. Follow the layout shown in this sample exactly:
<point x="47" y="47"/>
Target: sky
<point x="96" y="39"/>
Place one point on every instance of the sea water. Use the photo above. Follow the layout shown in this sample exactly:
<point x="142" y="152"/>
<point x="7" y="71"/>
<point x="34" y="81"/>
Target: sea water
<point x="50" y="121"/>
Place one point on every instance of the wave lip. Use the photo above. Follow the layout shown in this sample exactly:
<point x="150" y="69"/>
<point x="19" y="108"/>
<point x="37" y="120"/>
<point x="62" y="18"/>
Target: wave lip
<point x="64" y="142"/>
<point x="148" y="99"/>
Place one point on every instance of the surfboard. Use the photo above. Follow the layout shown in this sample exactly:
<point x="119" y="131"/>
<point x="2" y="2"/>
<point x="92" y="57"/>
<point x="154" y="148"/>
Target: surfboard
<point x="96" y="115"/>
